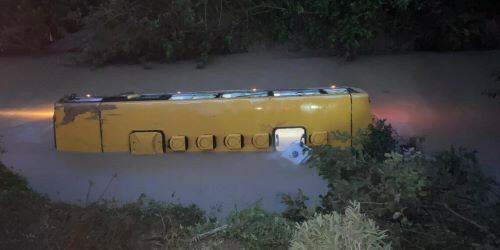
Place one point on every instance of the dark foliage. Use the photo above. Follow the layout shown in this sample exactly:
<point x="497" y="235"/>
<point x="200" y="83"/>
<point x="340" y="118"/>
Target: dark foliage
<point x="165" y="30"/>
<point x="441" y="202"/>
<point x="380" y="139"/>
<point x="462" y="200"/>
<point x="258" y="229"/>
<point x="30" y="221"/>
<point x="31" y="25"/>
<point x="20" y="221"/>
<point x="452" y="25"/>
<point x="187" y="29"/>
<point x="179" y="29"/>
<point x="296" y="208"/>
<point x="138" y="225"/>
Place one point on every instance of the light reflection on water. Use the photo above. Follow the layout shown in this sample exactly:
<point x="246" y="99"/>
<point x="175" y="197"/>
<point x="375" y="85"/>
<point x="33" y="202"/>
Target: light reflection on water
<point x="40" y="113"/>
<point x="408" y="117"/>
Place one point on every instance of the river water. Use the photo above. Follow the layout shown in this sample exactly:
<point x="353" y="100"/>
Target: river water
<point x="433" y="94"/>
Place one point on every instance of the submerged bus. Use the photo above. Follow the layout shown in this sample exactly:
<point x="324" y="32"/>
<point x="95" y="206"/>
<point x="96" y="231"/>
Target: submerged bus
<point x="218" y="121"/>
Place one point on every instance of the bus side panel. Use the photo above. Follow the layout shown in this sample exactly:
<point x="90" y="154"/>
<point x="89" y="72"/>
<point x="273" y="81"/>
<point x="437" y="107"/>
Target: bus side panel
<point x="221" y="117"/>
<point x="361" y="112"/>
<point x="187" y="118"/>
<point x="77" y="128"/>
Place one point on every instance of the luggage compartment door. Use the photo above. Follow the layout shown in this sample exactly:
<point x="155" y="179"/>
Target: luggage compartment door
<point x="147" y="143"/>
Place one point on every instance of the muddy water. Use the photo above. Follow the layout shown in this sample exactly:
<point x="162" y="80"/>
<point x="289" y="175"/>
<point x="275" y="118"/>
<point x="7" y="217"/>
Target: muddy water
<point x="437" y="95"/>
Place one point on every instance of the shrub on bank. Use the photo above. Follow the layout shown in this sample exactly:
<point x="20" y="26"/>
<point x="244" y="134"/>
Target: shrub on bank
<point x="165" y="30"/>
<point x="30" y="221"/>
<point x="31" y="25"/>
<point x="185" y="29"/>
<point x="436" y="202"/>
<point x="172" y="30"/>
<point x="21" y="213"/>
<point x="351" y="230"/>
<point x="258" y="229"/>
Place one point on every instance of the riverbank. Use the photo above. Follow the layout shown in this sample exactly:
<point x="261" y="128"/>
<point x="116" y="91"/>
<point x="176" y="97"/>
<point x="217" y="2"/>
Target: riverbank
<point x="31" y="221"/>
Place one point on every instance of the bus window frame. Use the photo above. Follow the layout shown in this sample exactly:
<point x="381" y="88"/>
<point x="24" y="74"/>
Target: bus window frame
<point x="273" y="135"/>
<point x="252" y="94"/>
<point x="210" y="96"/>
<point x="297" y="92"/>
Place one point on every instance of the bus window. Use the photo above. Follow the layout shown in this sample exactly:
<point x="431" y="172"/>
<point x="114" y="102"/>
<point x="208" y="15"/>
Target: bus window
<point x="284" y="137"/>
<point x="240" y="94"/>
<point x="153" y="97"/>
<point x="336" y="91"/>
<point x="300" y="92"/>
<point x="193" y="96"/>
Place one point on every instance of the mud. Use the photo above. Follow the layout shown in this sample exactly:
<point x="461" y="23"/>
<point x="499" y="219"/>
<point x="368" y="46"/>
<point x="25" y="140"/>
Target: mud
<point x="72" y="110"/>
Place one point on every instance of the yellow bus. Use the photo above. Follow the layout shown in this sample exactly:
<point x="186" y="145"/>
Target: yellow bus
<point x="219" y="121"/>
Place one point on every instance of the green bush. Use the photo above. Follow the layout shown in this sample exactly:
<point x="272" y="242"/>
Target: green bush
<point x="296" y="208"/>
<point x="339" y="26"/>
<point x="180" y="29"/>
<point x="435" y="202"/>
<point x="452" y="25"/>
<point x="21" y="215"/>
<point x="351" y="230"/>
<point x="382" y="187"/>
<point x="378" y="140"/>
<point x="462" y="199"/>
<point x="258" y="229"/>
<point x="165" y="30"/>
<point x="31" y="25"/>
<point x="30" y="221"/>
